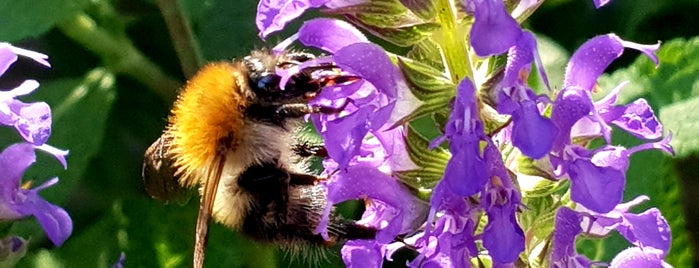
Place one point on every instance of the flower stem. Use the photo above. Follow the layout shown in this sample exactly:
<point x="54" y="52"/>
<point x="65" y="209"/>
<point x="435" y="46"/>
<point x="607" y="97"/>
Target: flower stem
<point x="183" y="40"/>
<point x="453" y="41"/>
<point x="119" y="54"/>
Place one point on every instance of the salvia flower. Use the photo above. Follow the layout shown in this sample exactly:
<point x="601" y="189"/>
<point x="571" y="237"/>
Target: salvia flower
<point x="488" y="119"/>
<point x="648" y="231"/>
<point x="33" y="123"/>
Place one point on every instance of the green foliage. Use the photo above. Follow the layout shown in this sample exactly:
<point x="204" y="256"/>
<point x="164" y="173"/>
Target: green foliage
<point x="30" y="18"/>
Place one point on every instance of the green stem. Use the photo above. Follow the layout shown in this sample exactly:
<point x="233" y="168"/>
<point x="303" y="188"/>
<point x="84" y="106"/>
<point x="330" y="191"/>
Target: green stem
<point x="453" y="41"/>
<point x="120" y="55"/>
<point x="183" y="40"/>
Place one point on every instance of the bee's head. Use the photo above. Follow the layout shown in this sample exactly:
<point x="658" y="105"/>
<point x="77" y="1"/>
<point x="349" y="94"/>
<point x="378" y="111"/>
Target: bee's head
<point x="305" y="83"/>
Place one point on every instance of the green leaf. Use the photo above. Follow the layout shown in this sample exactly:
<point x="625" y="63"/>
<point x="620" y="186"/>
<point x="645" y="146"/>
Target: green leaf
<point x="431" y="163"/>
<point x="22" y="19"/>
<point x="426" y="81"/>
<point x="403" y="36"/>
<point x="424" y="9"/>
<point x="427" y="52"/>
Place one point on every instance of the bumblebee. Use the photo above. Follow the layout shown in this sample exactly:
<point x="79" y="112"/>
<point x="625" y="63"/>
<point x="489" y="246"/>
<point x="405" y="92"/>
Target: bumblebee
<point x="232" y="132"/>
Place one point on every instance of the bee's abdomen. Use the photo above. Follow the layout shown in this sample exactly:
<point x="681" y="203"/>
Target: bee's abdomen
<point x="288" y="214"/>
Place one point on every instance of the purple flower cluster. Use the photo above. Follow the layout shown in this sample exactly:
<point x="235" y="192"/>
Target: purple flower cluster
<point x="33" y="122"/>
<point x="474" y="209"/>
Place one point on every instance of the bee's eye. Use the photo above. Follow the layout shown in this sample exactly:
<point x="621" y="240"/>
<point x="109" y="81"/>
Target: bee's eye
<point x="268" y="83"/>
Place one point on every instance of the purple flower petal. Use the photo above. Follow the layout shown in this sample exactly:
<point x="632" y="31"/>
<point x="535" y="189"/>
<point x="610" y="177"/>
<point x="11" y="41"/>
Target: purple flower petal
<point x="570" y="106"/>
<point x="273" y="15"/>
<point x="598" y="188"/>
<point x="362" y="253"/>
<point x="36" y="56"/>
<point x="638" y="119"/>
<point x="519" y="58"/>
<point x="120" y="262"/>
<point x="532" y="133"/>
<point x="16" y="202"/>
<point x="53" y="219"/>
<point x="566" y="229"/>
<point x="344" y="135"/>
<point x="494" y="31"/>
<point x="502" y="236"/>
<point x="600" y="3"/>
<point x="7" y="57"/>
<point x="638" y="257"/>
<point x="329" y="34"/>
<point x="364" y="180"/>
<point x="371" y="63"/>
<point x="33" y="122"/>
<point x="59" y="154"/>
<point x="591" y="59"/>
<point x="14" y="160"/>
<point x="648" y="229"/>
<point x="466" y="171"/>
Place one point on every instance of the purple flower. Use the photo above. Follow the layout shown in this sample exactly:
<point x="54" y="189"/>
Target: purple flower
<point x="502" y="236"/>
<point x="120" y="262"/>
<point x="567" y="228"/>
<point x="574" y="102"/>
<point x="363" y="253"/>
<point x="17" y="202"/>
<point x="494" y="31"/>
<point x="396" y="211"/>
<point x="464" y="130"/>
<point x="33" y="122"/>
<point x="639" y="257"/>
<point x="273" y="15"/>
<point x="472" y="170"/>
<point x="531" y="132"/>
<point x="648" y="231"/>
<point x="598" y="176"/>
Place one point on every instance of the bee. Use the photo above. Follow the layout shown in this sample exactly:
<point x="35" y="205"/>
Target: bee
<point x="232" y="132"/>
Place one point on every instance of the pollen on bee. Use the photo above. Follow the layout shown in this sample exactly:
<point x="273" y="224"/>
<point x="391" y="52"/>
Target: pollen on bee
<point x="207" y="116"/>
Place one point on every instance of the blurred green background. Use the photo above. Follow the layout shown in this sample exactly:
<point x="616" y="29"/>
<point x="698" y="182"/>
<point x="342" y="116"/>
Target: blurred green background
<point x="115" y="73"/>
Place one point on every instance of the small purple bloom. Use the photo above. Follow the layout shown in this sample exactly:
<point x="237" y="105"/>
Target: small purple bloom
<point x="494" y="31"/>
<point x="465" y="132"/>
<point x="502" y="236"/>
<point x="567" y="227"/>
<point x="394" y="209"/>
<point x="368" y="109"/>
<point x="591" y="59"/>
<point x="17" y="203"/>
<point x="648" y="231"/>
<point x="600" y="3"/>
<point x="639" y="257"/>
<point x="120" y="262"/>
<point x="362" y="253"/>
<point x="329" y="34"/>
<point x="273" y="15"/>
<point x="531" y="132"/>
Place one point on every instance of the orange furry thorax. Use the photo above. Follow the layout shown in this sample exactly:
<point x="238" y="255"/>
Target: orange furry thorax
<point x="206" y="118"/>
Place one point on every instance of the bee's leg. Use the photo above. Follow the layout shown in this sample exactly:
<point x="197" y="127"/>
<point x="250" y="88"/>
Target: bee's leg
<point x="303" y="179"/>
<point x="307" y="150"/>
<point x="296" y="110"/>
<point x="349" y="229"/>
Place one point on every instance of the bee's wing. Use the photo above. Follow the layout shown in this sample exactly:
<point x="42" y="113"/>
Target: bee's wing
<point x="159" y="174"/>
<point x="208" y="193"/>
